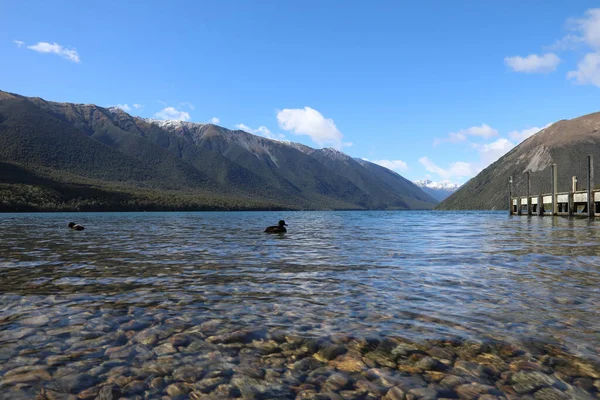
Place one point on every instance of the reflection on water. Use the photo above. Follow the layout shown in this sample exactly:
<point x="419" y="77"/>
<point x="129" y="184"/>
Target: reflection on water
<point x="415" y="274"/>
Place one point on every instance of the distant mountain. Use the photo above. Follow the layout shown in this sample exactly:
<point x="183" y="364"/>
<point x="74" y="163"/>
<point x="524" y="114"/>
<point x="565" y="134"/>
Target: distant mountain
<point x="438" y="190"/>
<point x="566" y="143"/>
<point x="81" y="156"/>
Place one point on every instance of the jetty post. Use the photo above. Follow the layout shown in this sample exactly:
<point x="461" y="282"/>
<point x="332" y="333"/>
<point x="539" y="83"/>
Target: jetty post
<point x="554" y="186"/>
<point x="572" y="196"/>
<point x="510" y="192"/>
<point x="528" y="194"/>
<point x="540" y="207"/>
<point x="591" y="205"/>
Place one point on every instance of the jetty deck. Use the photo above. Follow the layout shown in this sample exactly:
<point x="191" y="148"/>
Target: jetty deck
<point x="585" y="203"/>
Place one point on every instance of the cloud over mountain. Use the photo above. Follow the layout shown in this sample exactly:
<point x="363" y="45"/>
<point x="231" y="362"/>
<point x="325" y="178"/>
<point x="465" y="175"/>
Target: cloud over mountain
<point x="310" y="122"/>
<point x="171" y="113"/>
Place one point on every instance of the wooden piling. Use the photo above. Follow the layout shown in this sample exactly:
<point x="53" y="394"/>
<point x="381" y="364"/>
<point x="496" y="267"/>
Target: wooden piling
<point x="510" y="193"/>
<point x="572" y="195"/>
<point x="571" y="203"/>
<point x="554" y="190"/>
<point x="591" y="206"/>
<point x="540" y="210"/>
<point x="529" y="211"/>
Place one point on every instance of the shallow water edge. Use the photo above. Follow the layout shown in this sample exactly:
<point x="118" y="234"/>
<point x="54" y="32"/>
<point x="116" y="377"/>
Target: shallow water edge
<point x="388" y="305"/>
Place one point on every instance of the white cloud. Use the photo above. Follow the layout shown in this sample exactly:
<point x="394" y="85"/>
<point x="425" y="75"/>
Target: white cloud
<point x="124" y="107"/>
<point x="586" y="32"/>
<point x="55" y="48"/>
<point x="533" y="63"/>
<point x="487" y="153"/>
<point x="188" y="105"/>
<point x="171" y="113"/>
<point x="490" y="152"/>
<point x="310" y="122"/>
<point x="569" y="42"/>
<point x="456" y="170"/>
<point x="588" y="28"/>
<point x="215" y="120"/>
<point x="453" y="137"/>
<point x="138" y="106"/>
<point x="519" y="136"/>
<point x="395" y="165"/>
<point x="588" y="70"/>
<point x="260" y="131"/>
<point x="485" y="131"/>
<point x="19" y="43"/>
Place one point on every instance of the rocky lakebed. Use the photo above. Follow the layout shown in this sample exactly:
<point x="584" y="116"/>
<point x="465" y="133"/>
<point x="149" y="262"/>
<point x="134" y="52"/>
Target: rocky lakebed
<point x="122" y="354"/>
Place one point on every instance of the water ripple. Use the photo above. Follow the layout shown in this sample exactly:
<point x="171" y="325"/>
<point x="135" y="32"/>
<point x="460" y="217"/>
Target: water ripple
<point x="416" y="274"/>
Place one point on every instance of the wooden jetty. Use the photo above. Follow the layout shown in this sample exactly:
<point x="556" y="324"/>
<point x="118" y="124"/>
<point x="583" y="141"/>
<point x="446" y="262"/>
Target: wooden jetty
<point x="573" y="203"/>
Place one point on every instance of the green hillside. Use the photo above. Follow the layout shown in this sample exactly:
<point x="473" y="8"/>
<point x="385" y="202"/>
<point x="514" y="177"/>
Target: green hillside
<point x="64" y="156"/>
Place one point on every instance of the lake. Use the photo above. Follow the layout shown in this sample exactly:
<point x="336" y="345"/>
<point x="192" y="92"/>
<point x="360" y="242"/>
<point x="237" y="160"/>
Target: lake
<point x="356" y="305"/>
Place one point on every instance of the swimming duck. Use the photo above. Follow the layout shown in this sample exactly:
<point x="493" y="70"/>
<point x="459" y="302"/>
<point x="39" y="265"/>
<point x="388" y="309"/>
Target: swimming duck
<point x="277" y="229"/>
<point x="75" y="227"/>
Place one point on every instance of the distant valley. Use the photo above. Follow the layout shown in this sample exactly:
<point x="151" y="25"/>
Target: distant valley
<point x="63" y="156"/>
<point x="438" y="190"/>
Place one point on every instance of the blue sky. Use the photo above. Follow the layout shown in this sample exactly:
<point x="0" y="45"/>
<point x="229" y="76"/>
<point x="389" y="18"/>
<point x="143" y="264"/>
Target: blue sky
<point x="433" y="89"/>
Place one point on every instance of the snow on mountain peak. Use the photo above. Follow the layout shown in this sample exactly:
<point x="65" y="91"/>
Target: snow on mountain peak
<point x="171" y="123"/>
<point x="441" y="185"/>
<point x="335" y="153"/>
<point x="114" y="110"/>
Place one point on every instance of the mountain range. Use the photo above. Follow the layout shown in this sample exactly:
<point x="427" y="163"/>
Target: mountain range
<point x="567" y="143"/>
<point x="438" y="190"/>
<point x="64" y="156"/>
